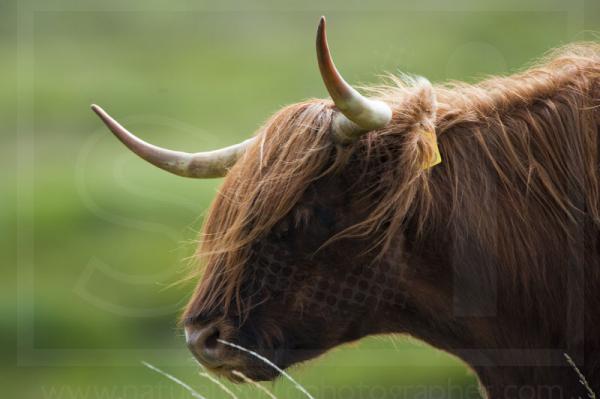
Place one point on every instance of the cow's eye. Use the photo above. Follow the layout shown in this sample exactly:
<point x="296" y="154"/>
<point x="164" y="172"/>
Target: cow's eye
<point x="325" y="216"/>
<point x="283" y="229"/>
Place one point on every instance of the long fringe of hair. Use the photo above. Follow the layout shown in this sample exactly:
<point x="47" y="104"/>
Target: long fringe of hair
<point x="527" y="142"/>
<point x="291" y="151"/>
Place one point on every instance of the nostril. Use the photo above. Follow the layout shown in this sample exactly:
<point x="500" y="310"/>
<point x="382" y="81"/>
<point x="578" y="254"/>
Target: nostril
<point x="212" y="341"/>
<point x="204" y="344"/>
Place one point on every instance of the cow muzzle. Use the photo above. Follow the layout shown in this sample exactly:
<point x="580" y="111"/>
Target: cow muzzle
<point x="203" y="342"/>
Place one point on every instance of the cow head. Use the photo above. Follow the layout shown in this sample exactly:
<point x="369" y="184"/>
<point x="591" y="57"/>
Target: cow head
<point x="304" y="247"/>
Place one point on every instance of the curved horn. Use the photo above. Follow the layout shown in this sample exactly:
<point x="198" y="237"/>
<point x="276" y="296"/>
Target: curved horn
<point x="359" y="114"/>
<point x="201" y="164"/>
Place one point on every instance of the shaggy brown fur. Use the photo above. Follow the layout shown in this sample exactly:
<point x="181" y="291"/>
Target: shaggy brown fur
<point x="498" y="244"/>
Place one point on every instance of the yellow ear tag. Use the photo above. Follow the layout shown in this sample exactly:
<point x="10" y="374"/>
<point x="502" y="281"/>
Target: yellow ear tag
<point x="436" y="157"/>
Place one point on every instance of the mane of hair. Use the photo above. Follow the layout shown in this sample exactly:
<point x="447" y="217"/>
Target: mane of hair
<point x="291" y="151"/>
<point x="520" y="170"/>
<point x="526" y="144"/>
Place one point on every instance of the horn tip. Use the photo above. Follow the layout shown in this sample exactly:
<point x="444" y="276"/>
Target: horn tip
<point x="102" y="114"/>
<point x="96" y="108"/>
<point x="321" y="24"/>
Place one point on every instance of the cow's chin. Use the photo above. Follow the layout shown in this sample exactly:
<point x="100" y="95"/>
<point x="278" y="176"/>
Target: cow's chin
<point x="245" y="372"/>
<point x="245" y="369"/>
<point x="252" y="368"/>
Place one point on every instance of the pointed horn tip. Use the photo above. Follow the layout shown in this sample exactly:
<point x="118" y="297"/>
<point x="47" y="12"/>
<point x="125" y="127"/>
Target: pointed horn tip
<point x="104" y="116"/>
<point x="321" y="27"/>
<point x="97" y="109"/>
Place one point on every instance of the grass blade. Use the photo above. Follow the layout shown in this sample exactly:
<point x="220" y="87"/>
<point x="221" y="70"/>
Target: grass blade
<point x="219" y="384"/>
<point x="270" y="363"/>
<point x="175" y="380"/>
<point x="582" y="379"/>
<point x="249" y="380"/>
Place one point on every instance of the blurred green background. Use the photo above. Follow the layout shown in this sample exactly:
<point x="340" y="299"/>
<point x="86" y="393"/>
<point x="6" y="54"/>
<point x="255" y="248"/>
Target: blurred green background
<point x="93" y="237"/>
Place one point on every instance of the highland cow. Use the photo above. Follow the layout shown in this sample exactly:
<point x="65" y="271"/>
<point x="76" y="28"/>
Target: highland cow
<point x="466" y="216"/>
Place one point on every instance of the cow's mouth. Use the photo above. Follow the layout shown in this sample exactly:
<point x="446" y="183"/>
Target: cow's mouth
<point x="245" y="371"/>
<point x="278" y="359"/>
<point x="242" y="366"/>
<point x="217" y="347"/>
